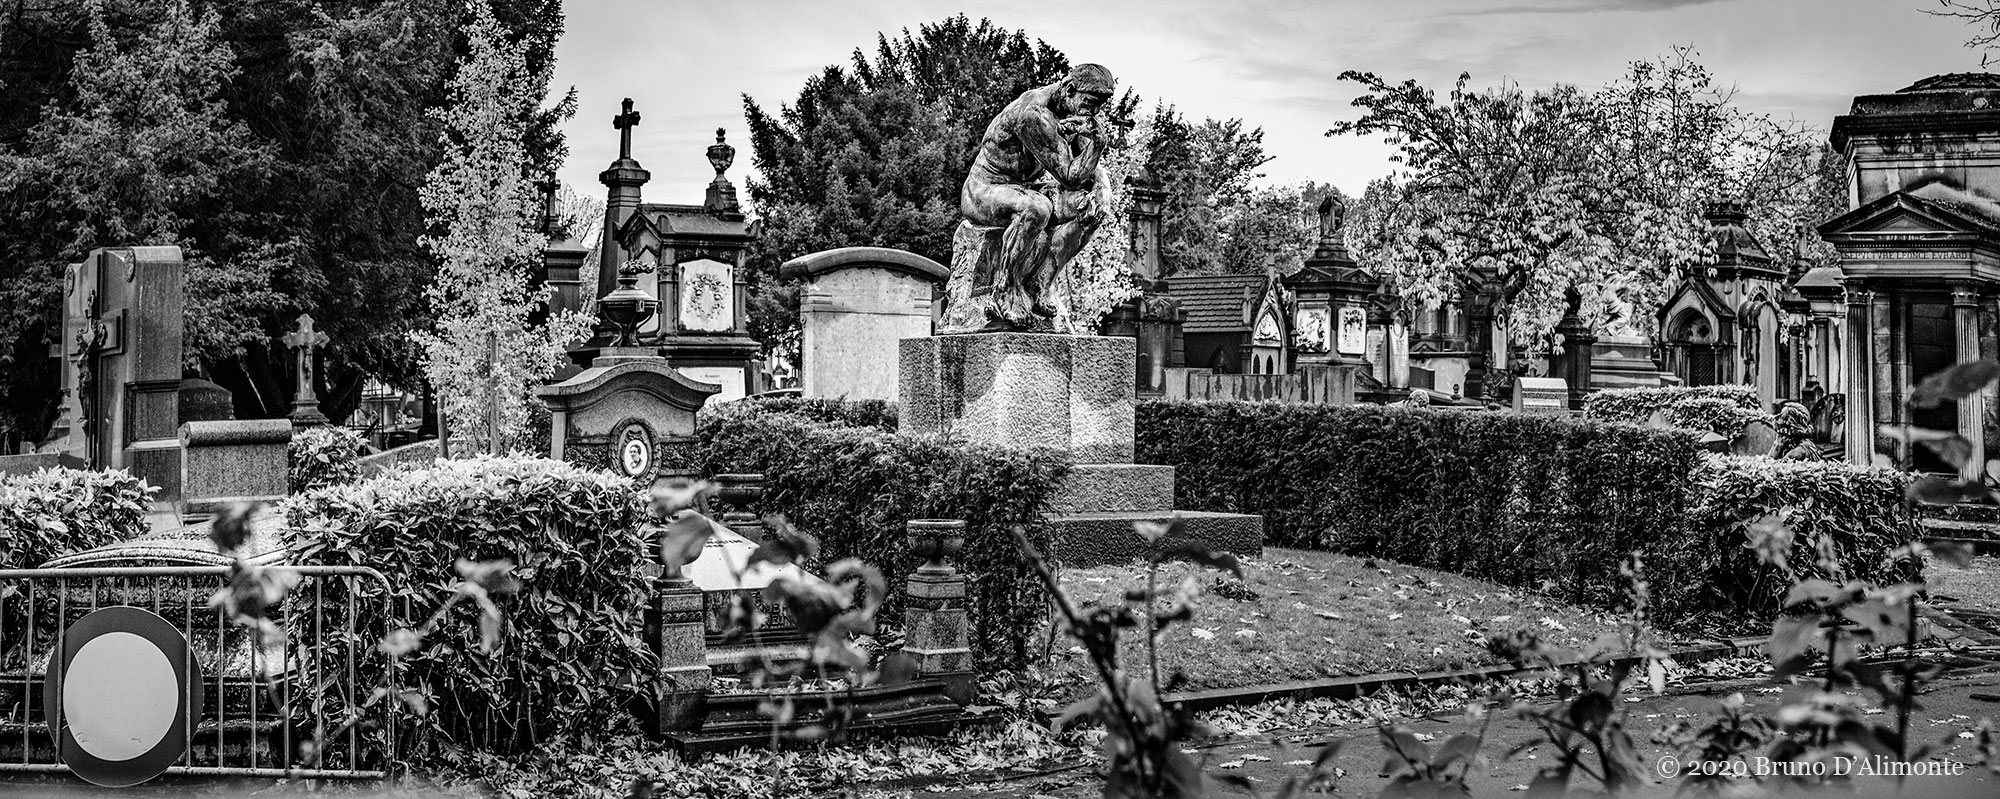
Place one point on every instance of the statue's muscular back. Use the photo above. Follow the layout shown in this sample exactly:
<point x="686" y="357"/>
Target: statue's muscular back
<point x="1003" y="156"/>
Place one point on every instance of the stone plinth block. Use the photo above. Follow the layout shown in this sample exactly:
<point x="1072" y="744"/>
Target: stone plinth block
<point x="1033" y="390"/>
<point x="1095" y="539"/>
<point x="937" y="632"/>
<point x="232" y="461"/>
<point x="682" y="647"/>
<point x="1104" y="487"/>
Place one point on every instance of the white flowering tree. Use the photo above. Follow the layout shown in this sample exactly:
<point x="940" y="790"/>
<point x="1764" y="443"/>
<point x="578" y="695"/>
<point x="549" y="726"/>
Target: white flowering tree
<point x="1530" y="195"/>
<point x="483" y="358"/>
<point x="1100" y="277"/>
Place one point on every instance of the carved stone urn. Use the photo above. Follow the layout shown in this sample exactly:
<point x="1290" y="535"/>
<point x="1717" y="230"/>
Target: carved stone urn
<point x="934" y="540"/>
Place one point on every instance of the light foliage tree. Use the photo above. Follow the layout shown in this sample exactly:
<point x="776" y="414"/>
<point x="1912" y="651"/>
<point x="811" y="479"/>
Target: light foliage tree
<point x="1524" y="196"/>
<point x="484" y="358"/>
<point x="1100" y="276"/>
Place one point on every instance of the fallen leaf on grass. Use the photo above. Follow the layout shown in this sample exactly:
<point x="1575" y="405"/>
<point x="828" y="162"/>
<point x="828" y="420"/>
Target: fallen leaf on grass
<point x="1298" y="762"/>
<point x="1230" y="764"/>
<point x="1202" y="633"/>
<point x="1258" y="758"/>
<point x="1395" y="616"/>
<point x="1246" y="633"/>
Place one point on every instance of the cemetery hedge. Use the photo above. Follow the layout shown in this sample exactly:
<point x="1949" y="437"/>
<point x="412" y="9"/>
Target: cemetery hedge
<point x="1528" y="500"/>
<point x="55" y="511"/>
<point x="853" y="413"/>
<point x="1860" y="512"/>
<point x="853" y="487"/>
<point x="1723" y="410"/>
<point x="572" y="660"/>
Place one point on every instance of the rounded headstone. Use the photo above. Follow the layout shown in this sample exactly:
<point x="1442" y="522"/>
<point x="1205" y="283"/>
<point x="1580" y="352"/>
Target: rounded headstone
<point x="203" y="401"/>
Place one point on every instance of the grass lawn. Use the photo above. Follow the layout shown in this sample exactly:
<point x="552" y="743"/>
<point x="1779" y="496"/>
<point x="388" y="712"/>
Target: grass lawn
<point x="1974" y="587"/>
<point x="1318" y="614"/>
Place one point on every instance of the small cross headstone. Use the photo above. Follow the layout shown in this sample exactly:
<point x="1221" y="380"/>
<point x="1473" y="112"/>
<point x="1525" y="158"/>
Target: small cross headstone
<point x="624" y="122"/>
<point x="305" y="343"/>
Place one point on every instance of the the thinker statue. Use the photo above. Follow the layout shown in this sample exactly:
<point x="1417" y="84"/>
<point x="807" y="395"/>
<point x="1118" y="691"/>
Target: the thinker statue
<point x="1037" y="191"/>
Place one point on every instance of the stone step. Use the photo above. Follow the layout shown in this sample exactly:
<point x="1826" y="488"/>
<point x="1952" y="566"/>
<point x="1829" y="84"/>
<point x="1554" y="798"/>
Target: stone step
<point x="1959" y="528"/>
<point x="1095" y="539"/>
<point x="1107" y="487"/>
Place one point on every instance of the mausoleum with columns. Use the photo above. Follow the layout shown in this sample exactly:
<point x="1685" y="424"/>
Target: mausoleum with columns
<point x="1919" y="255"/>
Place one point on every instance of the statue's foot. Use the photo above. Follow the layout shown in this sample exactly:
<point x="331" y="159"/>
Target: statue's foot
<point x="1046" y="311"/>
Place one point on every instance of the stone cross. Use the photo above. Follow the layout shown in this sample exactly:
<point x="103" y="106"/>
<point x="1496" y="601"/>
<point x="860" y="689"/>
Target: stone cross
<point x="625" y="122"/>
<point x="305" y="399"/>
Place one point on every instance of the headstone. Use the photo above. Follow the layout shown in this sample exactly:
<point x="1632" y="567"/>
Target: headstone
<point x="304" y="341"/>
<point x="123" y="311"/>
<point x="203" y="401"/>
<point x="233" y="461"/>
<point x="857" y="303"/>
<point x="1542" y="395"/>
<point x="1757" y="438"/>
<point x="629" y="412"/>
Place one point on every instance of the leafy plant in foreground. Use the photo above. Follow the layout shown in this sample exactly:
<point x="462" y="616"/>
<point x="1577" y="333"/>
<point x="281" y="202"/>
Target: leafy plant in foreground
<point x="1144" y="737"/>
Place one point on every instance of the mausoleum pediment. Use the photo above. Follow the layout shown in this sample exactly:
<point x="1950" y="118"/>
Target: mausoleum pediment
<point x="1913" y="217"/>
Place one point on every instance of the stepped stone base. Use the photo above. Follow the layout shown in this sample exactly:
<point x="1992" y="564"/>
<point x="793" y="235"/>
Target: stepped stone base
<point x="1103" y="487"/>
<point x="1095" y="539"/>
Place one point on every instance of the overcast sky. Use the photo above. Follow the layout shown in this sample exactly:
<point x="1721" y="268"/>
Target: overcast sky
<point x="1274" y="63"/>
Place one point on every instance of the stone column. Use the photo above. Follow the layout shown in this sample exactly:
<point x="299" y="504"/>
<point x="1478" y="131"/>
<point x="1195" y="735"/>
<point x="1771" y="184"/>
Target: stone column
<point x="936" y="630"/>
<point x="1478" y="345"/>
<point x="1859" y="386"/>
<point x="1574" y="365"/>
<point x="682" y="645"/>
<point x="1890" y="375"/>
<point x="1971" y="408"/>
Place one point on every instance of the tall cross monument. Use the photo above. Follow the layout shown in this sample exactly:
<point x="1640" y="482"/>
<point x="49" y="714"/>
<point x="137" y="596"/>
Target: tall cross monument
<point x="305" y="343"/>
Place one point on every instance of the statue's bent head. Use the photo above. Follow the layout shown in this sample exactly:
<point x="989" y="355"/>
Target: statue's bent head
<point x="1086" y="88"/>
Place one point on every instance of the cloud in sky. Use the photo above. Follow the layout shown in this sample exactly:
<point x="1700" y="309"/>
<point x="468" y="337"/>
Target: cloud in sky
<point x="1274" y="63"/>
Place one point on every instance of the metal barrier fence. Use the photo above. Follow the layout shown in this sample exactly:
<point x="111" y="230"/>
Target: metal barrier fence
<point x="322" y="705"/>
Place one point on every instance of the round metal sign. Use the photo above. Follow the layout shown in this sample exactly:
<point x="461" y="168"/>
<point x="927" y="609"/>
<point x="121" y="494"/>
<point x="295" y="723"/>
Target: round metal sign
<point x="632" y="450"/>
<point x="121" y="695"/>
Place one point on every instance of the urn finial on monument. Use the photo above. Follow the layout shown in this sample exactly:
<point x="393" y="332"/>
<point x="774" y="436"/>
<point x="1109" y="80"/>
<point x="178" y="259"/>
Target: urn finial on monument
<point x="721" y="193"/>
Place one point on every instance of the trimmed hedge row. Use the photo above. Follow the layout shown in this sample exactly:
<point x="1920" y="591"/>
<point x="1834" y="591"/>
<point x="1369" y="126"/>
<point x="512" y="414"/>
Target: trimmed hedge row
<point x="852" y="413"/>
<point x="1723" y="410"/>
<point x="1526" y="500"/>
<point x="58" y="511"/>
<point x="1862" y="511"/>
<point x="1519" y="499"/>
<point x="854" y="487"/>
<point x="573" y="660"/>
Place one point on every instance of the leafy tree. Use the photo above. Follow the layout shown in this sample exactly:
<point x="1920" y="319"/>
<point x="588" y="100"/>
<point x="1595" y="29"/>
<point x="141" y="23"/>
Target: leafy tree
<point x="1983" y="16"/>
<point x="1205" y="170"/>
<point x="1525" y="196"/>
<point x="335" y="94"/>
<point x="143" y="149"/>
<point x="484" y="356"/>
<point x="872" y="154"/>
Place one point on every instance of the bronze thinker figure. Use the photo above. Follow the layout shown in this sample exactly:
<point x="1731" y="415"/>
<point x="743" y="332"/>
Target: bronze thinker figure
<point x="1036" y="190"/>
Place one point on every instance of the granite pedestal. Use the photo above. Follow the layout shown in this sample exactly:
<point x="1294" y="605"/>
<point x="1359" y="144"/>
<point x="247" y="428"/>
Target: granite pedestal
<point x="1071" y="395"/>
